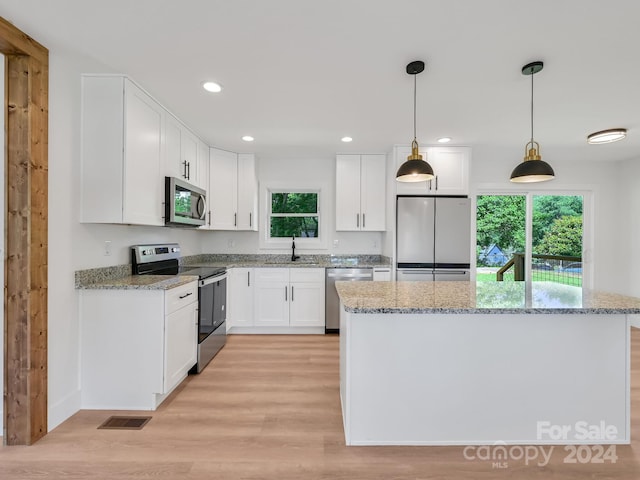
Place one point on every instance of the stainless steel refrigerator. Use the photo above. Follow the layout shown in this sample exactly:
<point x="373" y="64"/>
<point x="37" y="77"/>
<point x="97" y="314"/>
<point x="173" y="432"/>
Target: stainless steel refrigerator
<point x="433" y="238"/>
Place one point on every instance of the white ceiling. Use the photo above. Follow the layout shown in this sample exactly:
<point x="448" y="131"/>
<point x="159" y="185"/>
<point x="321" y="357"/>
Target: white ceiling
<point x="298" y="75"/>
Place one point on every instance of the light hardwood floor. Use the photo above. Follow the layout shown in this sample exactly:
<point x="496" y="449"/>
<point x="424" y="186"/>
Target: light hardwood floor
<point x="267" y="408"/>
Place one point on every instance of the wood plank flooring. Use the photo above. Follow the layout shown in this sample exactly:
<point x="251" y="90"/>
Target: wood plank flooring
<point x="267" y="408"/>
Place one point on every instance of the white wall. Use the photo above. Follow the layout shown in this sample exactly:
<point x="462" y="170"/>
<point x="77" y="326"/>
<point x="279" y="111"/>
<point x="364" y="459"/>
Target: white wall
<point x="294" y="171"/>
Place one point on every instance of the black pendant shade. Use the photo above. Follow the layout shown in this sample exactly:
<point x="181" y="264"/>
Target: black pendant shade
<point x="415" y="169"/>
<point x="533" y="168"/>
<point x="531" y="171"/>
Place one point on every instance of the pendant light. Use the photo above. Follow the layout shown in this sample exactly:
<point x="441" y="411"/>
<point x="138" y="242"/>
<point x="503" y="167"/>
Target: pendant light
<point x="415" y="169"/>
<point x="532" y="169"/>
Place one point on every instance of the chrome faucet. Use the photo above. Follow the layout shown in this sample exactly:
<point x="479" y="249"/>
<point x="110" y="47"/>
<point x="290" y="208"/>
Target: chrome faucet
<point x="294" y="257"/>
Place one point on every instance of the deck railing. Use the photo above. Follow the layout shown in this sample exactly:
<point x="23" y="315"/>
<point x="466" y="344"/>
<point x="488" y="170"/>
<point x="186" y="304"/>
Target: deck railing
<point x="558" y="268"/>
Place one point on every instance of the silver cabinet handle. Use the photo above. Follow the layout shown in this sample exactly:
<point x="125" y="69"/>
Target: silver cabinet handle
<point x="292" y="293"/>
<point x="209" y="217"/>
<point x="250" y="220"/>
<point x="248" y="279"/>
<point x="235" y="219"/>
<point x="185" y="295"/>
<point x="358" y="220"/>
<point x="188" y="170"/>
<point x="184" y="175"/>
<point x="363" y="223"/>
<point x="286" y="289"/>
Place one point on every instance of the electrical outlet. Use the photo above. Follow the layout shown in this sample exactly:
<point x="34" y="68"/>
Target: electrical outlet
<point x="336" y="243"/>
<point x="107" y="248"/>
<point x="375" y="244"/>
<point x="231" y="243"/>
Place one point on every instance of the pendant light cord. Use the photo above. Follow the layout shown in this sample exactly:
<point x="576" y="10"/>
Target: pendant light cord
<point x="414" y="106"/>
<point x="532" y="74"/>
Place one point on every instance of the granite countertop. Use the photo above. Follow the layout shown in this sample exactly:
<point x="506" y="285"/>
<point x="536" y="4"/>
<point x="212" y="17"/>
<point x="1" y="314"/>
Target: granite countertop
<point x="479" y="298"/>
<point x="119" y="277"/>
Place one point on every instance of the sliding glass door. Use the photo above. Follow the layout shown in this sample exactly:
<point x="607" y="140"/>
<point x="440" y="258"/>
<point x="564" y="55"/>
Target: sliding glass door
<point x="527" y="236"/>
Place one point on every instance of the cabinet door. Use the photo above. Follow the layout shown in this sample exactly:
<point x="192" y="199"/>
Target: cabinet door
<point x="247" y="193"/>
<point x="203" y="166"/>
<point x="143" y="185"/>
<point x="348" y="193"/>
<point x="372" y="192"/>
<point x="181" y="343"/>
<point x="306" y="308"/>
<point x="189" y="155"/>
<point x="223" y="190"/>
<point x="272" y="297"/>
<point x="240" y="293"/>
<point x="172" y="150"/>
<point x="451" y="167"/>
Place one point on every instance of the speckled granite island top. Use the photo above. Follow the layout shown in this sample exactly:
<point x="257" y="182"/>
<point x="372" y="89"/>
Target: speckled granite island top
<point x="479" y="298"/>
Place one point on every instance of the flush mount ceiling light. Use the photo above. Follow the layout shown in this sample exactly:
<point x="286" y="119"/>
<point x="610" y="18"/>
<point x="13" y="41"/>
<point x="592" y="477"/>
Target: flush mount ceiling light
<point x="415" y="169"/>
<point x="532" y="169"/>
<point x="212" y="87"/>
<point x="444" y="139"/>
<point x="248" y="138"/>
<point x="347" y="139"/>
<point x="607" y="136"/>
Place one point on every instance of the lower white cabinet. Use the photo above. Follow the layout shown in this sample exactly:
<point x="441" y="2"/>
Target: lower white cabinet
<point x="381" y="274"/>
<point x="136" y="345"/>
<point x="240" y="298"/>
<point x="276" y="300"/>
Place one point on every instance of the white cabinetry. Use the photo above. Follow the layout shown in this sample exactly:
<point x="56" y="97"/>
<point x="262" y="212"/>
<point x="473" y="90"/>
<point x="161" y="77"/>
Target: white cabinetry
<point x="202" y="170"/>
<point x="450" y="166"/>
<point x="121" y="153"/>
<point x="240" y="293"/>
<point x="136" y="345"/>
<point x="382" y="274"/>
<point x="360" y="192"/>
<point x="181" y="152"/>
<point x="289" y="297"/>
<point x="233" y="191"/>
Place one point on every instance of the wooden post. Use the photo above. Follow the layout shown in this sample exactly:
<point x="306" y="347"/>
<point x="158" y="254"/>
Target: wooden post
<point x="26" y="234"/>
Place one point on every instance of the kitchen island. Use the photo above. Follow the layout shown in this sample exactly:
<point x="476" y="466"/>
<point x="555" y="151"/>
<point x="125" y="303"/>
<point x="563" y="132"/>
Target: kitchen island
<point x="460" y="363"/>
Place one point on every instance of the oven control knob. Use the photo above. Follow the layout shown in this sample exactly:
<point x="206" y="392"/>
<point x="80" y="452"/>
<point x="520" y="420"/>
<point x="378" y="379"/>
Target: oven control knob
<point x="174" y="249"/>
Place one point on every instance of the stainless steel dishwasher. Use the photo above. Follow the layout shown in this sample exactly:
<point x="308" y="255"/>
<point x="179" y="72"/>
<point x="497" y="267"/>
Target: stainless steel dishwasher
<point x="332" y="301"/>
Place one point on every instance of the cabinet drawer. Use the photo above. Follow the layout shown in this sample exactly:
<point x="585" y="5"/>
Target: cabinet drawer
<point x="265" y="275"/>
<point x="179" y="297"/>
<point x="306" y="275"/>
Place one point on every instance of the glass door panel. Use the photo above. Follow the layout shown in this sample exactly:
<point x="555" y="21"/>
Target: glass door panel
<point x="557" y="239"/>
<point x="500" y="237"/>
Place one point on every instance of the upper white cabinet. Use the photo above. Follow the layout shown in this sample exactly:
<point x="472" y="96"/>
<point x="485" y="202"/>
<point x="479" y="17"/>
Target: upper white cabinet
<point x="450" y="166"/>
<point x="233" y="191"/>
<point x="121" y="153"/>
<point x="360" y="192"/>
<point x="202" y="170"/>
<point x="181" y="153"/>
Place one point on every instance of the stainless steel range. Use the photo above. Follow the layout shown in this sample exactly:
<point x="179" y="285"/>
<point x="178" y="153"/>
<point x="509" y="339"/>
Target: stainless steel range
<point x="163" y="259"/>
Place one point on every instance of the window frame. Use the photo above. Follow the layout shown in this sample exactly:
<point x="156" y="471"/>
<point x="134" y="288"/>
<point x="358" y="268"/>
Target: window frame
<point x="302" y="243"/>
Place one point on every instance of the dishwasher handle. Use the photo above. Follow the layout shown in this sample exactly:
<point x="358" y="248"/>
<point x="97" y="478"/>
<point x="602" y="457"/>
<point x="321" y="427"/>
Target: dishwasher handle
<point x="350" y="275"/>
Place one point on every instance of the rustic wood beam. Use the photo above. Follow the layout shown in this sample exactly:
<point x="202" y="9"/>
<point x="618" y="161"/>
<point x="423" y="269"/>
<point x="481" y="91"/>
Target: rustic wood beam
<point x="26" y="183"/>
<point x="15" y="42"/>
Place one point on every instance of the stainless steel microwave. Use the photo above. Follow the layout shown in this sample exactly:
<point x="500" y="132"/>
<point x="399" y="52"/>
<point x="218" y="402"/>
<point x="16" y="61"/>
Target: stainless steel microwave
<point x="185" y="204"/>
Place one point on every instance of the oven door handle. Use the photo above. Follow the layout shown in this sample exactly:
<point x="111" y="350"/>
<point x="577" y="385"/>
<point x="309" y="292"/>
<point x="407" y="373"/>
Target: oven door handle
<point x="214" y="279"/>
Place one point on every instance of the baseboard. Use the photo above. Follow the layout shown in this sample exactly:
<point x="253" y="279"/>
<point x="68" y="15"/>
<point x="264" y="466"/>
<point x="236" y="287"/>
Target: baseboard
<point x="63" y="409"/>
<point x="276" y="330"/>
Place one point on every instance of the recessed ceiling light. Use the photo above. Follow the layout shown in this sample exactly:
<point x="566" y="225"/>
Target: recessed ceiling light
<point x="248" y="138"/>
<point x="607" y="136"/>
<point x="212" y="87"/>
<point x="347" y="139"/>
<point x="444" y="139"/>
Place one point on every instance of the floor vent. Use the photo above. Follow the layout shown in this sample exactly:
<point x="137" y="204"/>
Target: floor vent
<point x="125" y="423"/>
